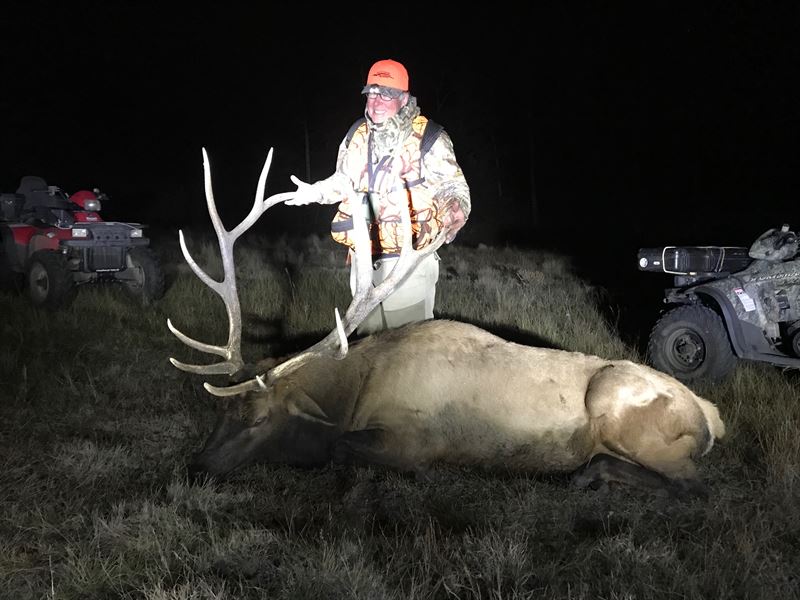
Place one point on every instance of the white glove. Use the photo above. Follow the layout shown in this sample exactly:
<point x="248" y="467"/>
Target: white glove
<point x="307" y="193"/>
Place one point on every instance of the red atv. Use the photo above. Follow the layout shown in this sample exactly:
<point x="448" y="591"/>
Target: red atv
<point x="58" y="242"/>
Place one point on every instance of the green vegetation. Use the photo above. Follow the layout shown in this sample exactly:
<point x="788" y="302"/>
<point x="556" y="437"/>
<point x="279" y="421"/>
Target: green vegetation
<point x="96" y="427"/>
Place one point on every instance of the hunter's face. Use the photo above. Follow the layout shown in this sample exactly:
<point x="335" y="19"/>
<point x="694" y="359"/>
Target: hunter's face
<point x="381" y="109"/>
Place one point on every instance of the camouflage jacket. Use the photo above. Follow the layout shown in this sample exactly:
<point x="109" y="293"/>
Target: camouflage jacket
<point x="396" y="179"/>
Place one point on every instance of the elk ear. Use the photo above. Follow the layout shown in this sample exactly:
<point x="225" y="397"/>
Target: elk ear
<point x="302" y="405"/>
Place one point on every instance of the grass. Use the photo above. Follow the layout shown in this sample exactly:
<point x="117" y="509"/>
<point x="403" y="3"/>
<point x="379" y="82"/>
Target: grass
<point x="96" y="428"/>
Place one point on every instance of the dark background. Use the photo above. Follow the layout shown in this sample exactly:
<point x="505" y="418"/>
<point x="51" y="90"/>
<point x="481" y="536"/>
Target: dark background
<point x="586" y="125"/>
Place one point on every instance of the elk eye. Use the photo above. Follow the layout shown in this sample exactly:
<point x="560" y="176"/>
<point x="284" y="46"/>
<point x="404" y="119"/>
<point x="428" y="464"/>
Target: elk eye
<point x="259" y="420"/>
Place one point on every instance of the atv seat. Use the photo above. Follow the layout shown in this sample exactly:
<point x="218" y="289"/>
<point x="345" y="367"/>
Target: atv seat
<point x="43" y="203"/>
<point x="35" y="191"/>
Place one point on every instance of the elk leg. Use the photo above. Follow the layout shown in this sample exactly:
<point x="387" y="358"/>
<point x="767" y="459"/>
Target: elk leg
<point x="368" y="447"/>
<point x="603" y="469"/>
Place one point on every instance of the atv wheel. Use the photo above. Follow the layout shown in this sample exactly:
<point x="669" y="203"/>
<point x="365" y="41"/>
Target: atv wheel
<point x="794" y="338"/>
<point x="49" y="280"/>
<point x="143" y="279"/>
<point x="691" y="343"/>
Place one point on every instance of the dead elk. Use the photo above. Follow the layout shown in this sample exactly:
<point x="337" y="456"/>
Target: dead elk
<point x="444" y="391"/>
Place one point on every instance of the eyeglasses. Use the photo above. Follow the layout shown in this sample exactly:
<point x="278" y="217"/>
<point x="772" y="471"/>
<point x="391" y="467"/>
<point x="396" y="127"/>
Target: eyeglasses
<point x="386" y="94"/>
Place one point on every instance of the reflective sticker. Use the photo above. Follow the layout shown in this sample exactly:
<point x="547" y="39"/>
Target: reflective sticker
<point x="745" y="299"/>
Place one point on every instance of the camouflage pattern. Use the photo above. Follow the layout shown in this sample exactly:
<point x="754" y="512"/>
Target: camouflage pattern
<point x="399" y="181"/>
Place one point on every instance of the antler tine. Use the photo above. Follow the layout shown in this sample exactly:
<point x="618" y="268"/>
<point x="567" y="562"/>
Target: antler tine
<point x="226" y="288"/>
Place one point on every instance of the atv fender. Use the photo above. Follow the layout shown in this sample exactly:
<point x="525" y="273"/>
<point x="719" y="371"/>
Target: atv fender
<point x="41" y="242"/>
<point x="747" y="340"/>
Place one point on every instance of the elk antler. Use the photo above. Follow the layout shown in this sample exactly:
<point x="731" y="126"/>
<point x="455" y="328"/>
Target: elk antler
<point x="365" y="298"/>
<point x="227" y="287"/>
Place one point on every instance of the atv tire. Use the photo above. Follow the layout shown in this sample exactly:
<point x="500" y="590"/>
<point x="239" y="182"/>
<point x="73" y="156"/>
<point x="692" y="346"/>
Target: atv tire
<point x="794" y="338"/>
<point x="49" y="280"/>
<point x="691" y="344"/>
<point x="143" y="280"/>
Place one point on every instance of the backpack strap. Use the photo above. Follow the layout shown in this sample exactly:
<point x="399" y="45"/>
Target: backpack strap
<point x="429" y="137"/>
<point x="352" y="131"/>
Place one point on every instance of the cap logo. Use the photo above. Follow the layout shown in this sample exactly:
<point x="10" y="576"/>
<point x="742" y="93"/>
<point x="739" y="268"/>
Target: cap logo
<point x="385" y="74"/>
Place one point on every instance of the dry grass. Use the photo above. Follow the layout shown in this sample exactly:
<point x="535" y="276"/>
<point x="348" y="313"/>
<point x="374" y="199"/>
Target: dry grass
<point x="96" y="428"/>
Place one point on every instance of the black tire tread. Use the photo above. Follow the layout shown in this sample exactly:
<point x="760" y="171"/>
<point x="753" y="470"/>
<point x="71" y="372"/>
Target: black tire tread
<point x="720" y="360"/>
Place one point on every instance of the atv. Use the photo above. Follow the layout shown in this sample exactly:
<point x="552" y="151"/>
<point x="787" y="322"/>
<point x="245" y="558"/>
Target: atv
<point x="727" y="303"/>
<point x="53" y="242"/>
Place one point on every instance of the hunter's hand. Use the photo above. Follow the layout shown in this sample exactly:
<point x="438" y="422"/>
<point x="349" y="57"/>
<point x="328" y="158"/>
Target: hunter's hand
<point x="454" y="220"/>
<point x="307" y="193"/>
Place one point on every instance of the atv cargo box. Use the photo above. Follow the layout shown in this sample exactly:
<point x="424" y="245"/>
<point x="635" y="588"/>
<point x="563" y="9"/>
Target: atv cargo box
<point x="689" y="260"/>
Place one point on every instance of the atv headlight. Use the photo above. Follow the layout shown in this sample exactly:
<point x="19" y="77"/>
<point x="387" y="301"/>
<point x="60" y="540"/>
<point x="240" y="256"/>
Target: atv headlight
<point x="91" y="205"/>
<point x="136" y="233"/>
<point x="80" y="232"/>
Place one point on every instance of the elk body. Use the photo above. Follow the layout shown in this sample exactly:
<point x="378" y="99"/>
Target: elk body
<point x="448" y="392"/>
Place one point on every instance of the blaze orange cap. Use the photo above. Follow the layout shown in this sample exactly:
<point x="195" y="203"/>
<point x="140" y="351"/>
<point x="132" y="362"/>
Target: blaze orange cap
<point x="388" y="73"/>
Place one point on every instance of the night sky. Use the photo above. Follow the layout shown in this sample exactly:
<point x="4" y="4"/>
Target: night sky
<point x="593" y="122"/>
